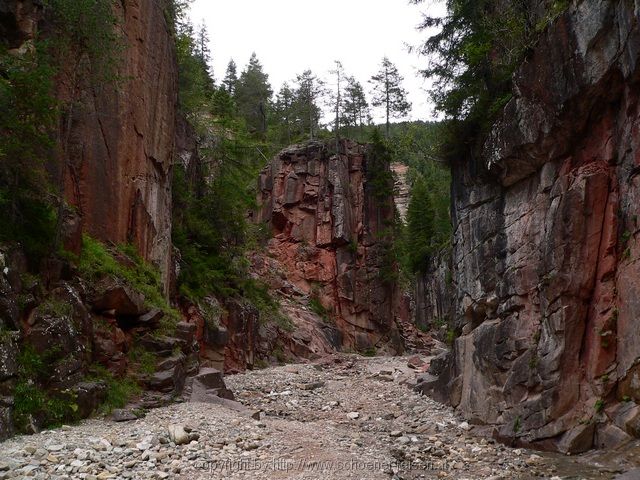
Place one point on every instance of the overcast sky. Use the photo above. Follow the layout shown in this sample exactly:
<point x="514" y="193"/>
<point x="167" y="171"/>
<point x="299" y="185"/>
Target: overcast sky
<point x="290" y="36"/>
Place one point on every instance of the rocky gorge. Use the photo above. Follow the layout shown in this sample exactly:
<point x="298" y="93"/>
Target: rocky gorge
<point x="536" y="296"/>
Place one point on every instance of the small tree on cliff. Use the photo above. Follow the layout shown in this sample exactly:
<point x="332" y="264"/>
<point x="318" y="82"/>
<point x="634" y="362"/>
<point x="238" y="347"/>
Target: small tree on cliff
<point x="231" y="78"/>
<point x="310" y="90"/>
<point x="284" y="113"/>
<point x="203" y="50"/>
<point x="355" y="107"/>
<point x="389" y="93"/>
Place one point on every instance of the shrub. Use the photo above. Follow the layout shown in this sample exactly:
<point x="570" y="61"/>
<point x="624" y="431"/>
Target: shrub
<point x="119" y="390"/>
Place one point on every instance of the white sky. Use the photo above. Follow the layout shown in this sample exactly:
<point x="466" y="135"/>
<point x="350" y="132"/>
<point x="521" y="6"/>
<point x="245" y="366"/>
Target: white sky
<point x="290" y="36"/>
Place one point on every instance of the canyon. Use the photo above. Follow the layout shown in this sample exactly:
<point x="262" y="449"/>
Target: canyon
<point x="538" y="292"/>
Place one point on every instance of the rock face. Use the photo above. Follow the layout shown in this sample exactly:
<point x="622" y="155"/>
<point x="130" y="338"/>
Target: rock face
<point x="546" y="255"/>
<point x="329" y="234"/>
<point x="434" y="293"/>
<point x="121" y="140"/>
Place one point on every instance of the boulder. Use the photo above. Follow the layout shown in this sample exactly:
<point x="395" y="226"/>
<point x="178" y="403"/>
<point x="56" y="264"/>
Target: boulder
<point x="114" y="294"/>
<point x="123" y="415"/>
<point x="9" y="351"/>
<point x="609" y="436"/>
<point x="627" y="417"/>
<point x="151" y="319"/>
<point x="89" y="396"/>
<point x="577" y="440"/>
<point x="208" y="386"/>
<point x="6" y="418"/>
<point x="178" y="434"/>
<point x="170" y="380"/>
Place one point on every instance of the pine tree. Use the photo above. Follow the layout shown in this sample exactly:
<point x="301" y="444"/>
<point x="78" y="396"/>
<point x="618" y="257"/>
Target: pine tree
<point x="420" y="230"/>
<point x="310" y="90"/>
<point x="231" y="78"/>
<point x="337" y="99"/>
<point x="202" y="48"/>
<point x="284" y="112"/>
<point x="355" y="106"/>
<point x="253" y="94"/>
<point x="389" y="93"/>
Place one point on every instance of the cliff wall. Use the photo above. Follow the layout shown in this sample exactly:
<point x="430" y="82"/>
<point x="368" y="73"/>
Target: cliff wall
<point x="546" y="255"/>
<point x="121" y="140"/>
<point x="331" y="235"/>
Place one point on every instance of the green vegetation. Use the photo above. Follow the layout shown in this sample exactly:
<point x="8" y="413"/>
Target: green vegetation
<point x="478" y="47"/>
<point x="316" y="307"/>
<point x="211" y="199"/>
<point x="389" y="94"/>
<point x="145" y="360"/>
<point x="31" y="400"/>
<point x="428" y="225"/>
<point x="369" y="352"/>
<point x="279" y="354"/>
<point x="55" y="308"/>
<point x="97" y="261"/>
<point x="517" y="425"/>
<point x="30" y="116"/>
<point x="599" y="406"/>
<point x="119" y="390"/>
<point x="451" y="336"/>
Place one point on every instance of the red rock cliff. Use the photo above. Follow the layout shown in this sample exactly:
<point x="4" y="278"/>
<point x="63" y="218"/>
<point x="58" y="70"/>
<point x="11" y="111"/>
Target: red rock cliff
<point x="122" y="140"/>
<point x="329" y="233"/>
<point x="546" y="252"/>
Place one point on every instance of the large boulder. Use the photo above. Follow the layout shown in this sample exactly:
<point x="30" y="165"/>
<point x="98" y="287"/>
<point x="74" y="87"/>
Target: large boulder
<point x="115" y="295"/>
<point x="208" y="386"/>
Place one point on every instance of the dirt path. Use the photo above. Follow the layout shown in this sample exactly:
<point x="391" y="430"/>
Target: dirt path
<point x="347" y="417"/>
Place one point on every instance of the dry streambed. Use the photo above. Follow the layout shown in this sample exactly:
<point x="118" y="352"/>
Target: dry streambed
<point x="344" y="417"/>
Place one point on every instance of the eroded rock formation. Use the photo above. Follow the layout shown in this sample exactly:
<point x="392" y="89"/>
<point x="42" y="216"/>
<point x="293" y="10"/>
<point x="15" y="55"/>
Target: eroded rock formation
<point x="546" y="255"/>
<point x="330" y="235"/>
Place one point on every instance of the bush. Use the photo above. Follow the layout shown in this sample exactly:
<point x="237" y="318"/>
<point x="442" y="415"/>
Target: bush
<point x="32" y="400"/>
<point x="119" y="390"/>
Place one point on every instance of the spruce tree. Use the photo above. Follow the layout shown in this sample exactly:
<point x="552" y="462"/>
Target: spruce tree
<point x="231" y="78"/>
<point x="284" y="112"/>
<point x="355" y="106"/>
<point x="253" y="95"/>
<point x="310" y="90"/>
<point x="420" y="229"/>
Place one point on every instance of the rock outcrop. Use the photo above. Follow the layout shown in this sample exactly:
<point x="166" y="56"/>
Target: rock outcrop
<point x="116" y="147"/>
<point x="121" y="141"/>
<point x="546" y="254"/>
<point x="433" y="305"/>
<point x="331" y="236"/>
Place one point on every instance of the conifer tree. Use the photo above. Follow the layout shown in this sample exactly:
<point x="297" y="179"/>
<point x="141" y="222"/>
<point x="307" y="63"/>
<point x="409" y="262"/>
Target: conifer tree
<point x="389" y="93"/>
<point x="355" y="106"/>
<point x="231" y="78"/>
<point x="309" y="91"/>
<point x="253" y="95"/>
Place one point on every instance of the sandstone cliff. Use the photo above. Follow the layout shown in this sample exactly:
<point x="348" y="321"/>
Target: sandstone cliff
<point x="545" y="254"/>
<point x="331" y="234"/>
